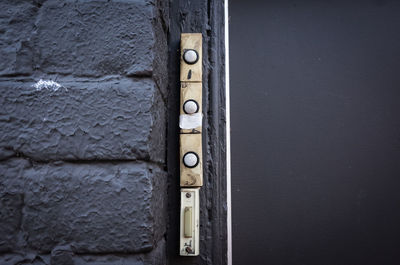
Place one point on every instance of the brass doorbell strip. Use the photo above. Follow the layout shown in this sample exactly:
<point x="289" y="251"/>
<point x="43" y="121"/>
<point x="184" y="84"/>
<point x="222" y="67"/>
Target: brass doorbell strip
<point x="191" y="154"/>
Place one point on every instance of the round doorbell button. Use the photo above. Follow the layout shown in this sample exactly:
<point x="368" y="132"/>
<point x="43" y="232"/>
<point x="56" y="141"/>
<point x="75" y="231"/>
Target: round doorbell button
<point x="190" y="106"/>
<point x="190" y="56"/>
<point x="190" y="159"/>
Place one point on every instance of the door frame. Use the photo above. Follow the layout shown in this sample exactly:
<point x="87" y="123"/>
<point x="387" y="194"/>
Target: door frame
<point x="208" y="17"/>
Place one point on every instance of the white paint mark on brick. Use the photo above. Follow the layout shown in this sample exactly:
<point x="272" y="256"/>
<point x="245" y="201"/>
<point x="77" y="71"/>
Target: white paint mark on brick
<point x="47" y="84"/>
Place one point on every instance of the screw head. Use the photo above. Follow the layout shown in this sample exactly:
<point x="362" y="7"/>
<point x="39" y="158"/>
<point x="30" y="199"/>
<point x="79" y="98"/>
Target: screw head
<point x="190" y="56"/>
<point x="188" y="195"/>
<point x="188" y="249"/>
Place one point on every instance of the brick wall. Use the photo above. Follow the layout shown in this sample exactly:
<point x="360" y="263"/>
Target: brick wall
<point x="82" y="152"/>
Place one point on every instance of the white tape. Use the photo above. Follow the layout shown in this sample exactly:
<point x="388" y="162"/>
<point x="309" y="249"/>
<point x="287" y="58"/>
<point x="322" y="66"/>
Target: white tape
<point x="190" y="121"/>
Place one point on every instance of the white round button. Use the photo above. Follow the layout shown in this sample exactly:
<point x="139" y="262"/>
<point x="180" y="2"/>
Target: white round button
<point x="190" y="56"/>
<point x="190" y="159"/>
<point x="190" y="106"/>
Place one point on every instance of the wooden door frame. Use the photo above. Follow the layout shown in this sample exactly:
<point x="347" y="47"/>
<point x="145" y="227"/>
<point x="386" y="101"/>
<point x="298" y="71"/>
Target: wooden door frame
<point x="206" y="17"/>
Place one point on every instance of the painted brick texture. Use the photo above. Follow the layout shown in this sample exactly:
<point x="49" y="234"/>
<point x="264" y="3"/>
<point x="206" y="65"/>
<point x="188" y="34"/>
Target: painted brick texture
<point x="82" y="161"/>
<point x="93" y="208"/>
<point x="90" y="119"/>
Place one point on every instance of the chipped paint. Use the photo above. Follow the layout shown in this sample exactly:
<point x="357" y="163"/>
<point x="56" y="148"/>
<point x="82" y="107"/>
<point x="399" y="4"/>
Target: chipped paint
<point x="47" y="84"/>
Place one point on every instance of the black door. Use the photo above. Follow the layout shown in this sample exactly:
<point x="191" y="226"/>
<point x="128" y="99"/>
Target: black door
<point x="315" y="109"/>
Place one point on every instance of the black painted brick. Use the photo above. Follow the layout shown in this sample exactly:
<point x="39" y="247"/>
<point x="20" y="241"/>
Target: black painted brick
<point x="93" y="208"/>
<point x="83" y="120"/>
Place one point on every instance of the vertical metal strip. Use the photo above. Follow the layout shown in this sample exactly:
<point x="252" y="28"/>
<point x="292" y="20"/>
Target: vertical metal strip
<point x="228" y="137"/>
